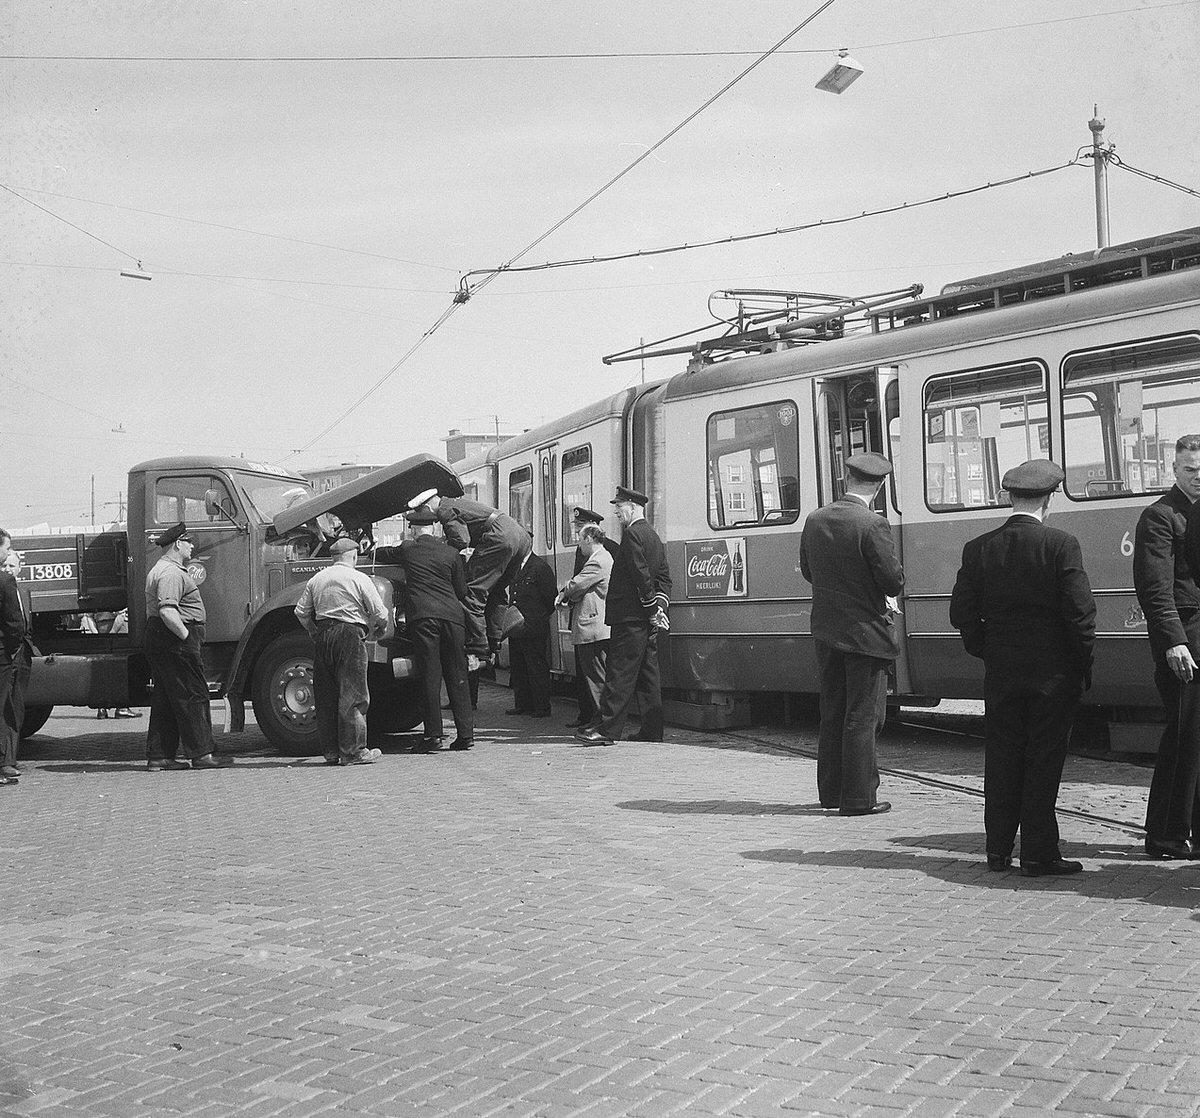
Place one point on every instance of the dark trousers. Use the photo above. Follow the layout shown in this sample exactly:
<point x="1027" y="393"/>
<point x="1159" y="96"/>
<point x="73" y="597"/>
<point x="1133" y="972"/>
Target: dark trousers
<point x="590" y="662"/>
<point x="1026" y="730"/>
<point x="1174" y="806"/>
<point x="180" y="715"/>
<point x="14" y="678"/>
<point x="631" y="674"/>
<point x="441" y="654"/>
<point x="490" y="570"/>
<point x="340" y="688"/>
<point x="530" y="674"/>
<point x="853" y="709"/>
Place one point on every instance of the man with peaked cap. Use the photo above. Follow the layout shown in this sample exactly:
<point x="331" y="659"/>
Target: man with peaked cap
<point x="639" y="593"/>
<point x="1023" y="605"/>
<point x="340" y="608"/>
<point x="589" y="668"/>
<point x="180" y="711"/>
<point x="16" y="655"/>
<point x="847" y="553"/>
<point x="499" y="545"/>
<point x="1166" y="566"/>
<point x="435" y="587"/>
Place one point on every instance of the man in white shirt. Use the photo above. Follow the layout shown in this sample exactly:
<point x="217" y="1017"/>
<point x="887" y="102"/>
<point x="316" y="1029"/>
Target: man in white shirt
<point x="340" y="608"/>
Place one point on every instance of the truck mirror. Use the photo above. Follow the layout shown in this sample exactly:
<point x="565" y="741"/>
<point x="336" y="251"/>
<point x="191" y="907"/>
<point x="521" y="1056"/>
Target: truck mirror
<point x="213" y="506"/>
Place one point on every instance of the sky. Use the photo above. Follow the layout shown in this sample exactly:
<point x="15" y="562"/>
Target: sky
<point x="306" y="181"/>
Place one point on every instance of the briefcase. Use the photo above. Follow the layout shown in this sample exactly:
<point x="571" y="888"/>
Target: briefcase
<point x="512" y="623"/>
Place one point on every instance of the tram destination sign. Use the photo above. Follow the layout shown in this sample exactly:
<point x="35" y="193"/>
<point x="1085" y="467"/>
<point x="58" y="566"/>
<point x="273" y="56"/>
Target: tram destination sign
<point x="715" y="568"/>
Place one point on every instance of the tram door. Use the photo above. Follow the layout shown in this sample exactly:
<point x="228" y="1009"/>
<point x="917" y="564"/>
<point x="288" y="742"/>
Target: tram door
<point x="857" y="413"/>
<point x="546" y="543"/>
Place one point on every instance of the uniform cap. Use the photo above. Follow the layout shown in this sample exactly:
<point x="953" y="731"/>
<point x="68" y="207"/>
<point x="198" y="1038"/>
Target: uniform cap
<point x="587" y="516"/>
<point x="341" y="545"/>
<point x="1035" y="477"/>
<point x="421" y="498"/>
<point x="625" y="496"/>
<point x="869" y="464"/>
<point x="167" y="538"/>
<point x="422" y="515"/>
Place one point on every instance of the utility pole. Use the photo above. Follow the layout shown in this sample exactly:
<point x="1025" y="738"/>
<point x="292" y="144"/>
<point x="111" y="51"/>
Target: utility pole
<point x="93" y="500"/>
<point x="1100" y="154"/>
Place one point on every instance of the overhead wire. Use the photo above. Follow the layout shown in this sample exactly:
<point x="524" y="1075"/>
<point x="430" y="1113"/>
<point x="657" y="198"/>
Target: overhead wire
<point x="571" y="56"/>
<point x="1117" y="161"/>
<point x="80" y="228"/>
<point x="461" y="297"/>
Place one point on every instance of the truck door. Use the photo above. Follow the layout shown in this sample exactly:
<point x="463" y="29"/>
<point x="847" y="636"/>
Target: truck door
<point x="547" y="544"/>
<point x="856" y="413"/>
<point x="220" y="563"/>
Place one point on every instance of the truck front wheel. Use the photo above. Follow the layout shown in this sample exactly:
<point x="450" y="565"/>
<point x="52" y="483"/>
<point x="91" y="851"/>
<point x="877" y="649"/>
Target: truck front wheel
<point x="283" y="697"/>
<point x="34" y="720"/>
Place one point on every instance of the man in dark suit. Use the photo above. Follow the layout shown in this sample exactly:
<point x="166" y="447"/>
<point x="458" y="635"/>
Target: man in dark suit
<point x="847" y="553"/>
<point x="1023" y="604"/>
<point x="16" y="655"/>
<point x="580" y="519"/>
<point x="1170" y="599"/>
<point x="435" y="588"/>
<point x="534" y="590"/>
<point x="639" y="592"/>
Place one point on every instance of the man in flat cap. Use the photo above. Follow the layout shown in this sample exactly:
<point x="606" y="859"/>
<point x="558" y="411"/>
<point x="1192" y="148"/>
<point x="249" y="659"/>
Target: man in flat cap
<point x="587" y="593"/>
<point x="180" y="714"/>
<point x="499" y="545"/>
<point x="847" y="553"/>
<point x="1169" y="594"/>
<point x="435" y="588"/>
<point x="340" y="608"/>
<point x="639" y="593"/>
<point x="1023" y="604"/>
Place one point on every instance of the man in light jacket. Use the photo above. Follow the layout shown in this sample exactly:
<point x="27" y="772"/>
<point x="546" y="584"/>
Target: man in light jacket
<point x="587" y="592"/>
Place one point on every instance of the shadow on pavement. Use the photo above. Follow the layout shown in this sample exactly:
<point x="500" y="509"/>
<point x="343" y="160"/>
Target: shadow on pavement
<point x="723" y="807"/>
<point x="1174" y="885"/>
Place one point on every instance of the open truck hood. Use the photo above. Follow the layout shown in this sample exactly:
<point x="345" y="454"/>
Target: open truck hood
<point x="375" y="496"/>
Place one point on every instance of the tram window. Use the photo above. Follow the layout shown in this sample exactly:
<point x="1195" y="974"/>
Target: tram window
<point x="977" y="425"/>
<point x="520" y="497"/>
<point x="1123" y="409"/>
<point x="576" y="489"/>
<point x="754" y="466"/>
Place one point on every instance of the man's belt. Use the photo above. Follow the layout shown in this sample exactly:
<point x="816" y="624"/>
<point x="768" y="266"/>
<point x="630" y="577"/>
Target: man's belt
<point x="492" y="519"/>
<point x="326" y="622"/>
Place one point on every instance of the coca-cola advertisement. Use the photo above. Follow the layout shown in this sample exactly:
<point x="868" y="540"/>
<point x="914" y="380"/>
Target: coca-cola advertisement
<point x="715" y="568"/>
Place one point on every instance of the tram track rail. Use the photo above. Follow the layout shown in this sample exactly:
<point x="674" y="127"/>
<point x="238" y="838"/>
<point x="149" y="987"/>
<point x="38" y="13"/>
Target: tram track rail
<point x="941" y="783"/>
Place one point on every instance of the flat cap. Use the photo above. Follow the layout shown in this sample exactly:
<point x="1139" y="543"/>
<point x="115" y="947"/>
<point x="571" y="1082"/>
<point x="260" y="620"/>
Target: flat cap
<point x="422" y="515"/>
<point x="587" y="516"/>
<point x="421" y="498"/>
<point x="626" y="495"/>
<point x="869" y="464"/>
<point x="1037" y="476"/>
<point x="341" y="545"/>
<point x="168" y="537"/>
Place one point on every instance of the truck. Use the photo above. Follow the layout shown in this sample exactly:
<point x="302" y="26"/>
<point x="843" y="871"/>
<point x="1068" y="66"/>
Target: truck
<point x="260" y="534"/>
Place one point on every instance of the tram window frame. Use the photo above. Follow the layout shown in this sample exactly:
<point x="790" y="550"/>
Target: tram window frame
<point x="570" y="536"/>
<point x="935" y="417"/>
<point x="785" y="451"/>
<point x="1124" y="357"/>
<point x="520" y="496"/>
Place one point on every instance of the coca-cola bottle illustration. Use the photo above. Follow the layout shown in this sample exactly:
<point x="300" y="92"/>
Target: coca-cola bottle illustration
<point x="739" y="575"/>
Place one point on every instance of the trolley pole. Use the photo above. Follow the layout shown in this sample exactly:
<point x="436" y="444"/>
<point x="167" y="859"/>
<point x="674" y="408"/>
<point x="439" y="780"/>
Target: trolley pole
<point x="1100" y="171"/>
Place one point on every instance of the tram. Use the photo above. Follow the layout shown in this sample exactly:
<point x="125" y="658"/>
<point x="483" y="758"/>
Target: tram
<point x="1090" y="360"/>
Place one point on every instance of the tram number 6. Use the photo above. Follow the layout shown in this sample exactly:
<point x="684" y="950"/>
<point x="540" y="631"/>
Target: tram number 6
<point x="1126" y="545"/>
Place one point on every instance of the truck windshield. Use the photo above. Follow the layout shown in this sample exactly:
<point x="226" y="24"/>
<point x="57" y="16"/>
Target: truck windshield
<point x="269" y="496"/>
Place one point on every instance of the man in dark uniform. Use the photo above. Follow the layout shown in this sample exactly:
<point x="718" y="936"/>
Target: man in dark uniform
<point x="581" y="518"/>
<point x="533" y="593"/>
<point x="639" y="593"/>
<point x="1023" y="605"/>
<point x="435" y="587"/>
<point x="1167" y="591"/>
<point x="180" y="714"/>
<point x="340" y="608"/>
<point x="847" y="553"/>
<point x="16" y="655"/>
<point x="498" y="543"/>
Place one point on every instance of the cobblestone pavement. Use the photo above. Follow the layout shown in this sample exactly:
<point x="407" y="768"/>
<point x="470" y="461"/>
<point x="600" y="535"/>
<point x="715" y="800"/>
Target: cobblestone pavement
<point x="535" y="928"/>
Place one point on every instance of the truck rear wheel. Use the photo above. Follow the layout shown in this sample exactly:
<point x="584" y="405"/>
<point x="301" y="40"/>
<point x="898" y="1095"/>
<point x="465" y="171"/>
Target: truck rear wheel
<point x="283" y="697"/>
<point x="35" y="719"/>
